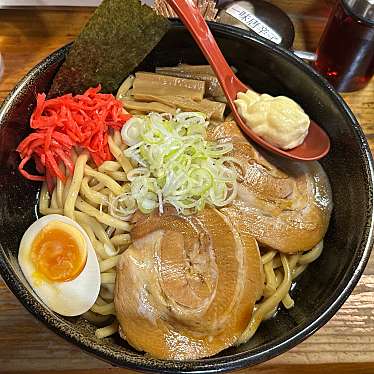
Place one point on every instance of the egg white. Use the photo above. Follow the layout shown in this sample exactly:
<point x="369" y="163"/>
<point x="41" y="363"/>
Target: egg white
<point x="69" y="298"/>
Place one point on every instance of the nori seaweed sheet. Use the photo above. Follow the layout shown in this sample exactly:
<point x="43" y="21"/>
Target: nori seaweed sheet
<point x="118" y="37"/>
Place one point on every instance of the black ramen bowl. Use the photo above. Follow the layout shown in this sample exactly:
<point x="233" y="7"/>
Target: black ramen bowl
<point x="321" y="289"/>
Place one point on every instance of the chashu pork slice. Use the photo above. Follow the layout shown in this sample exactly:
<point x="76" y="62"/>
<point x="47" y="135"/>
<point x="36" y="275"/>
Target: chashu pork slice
<point x="285" y="205"/>
<point x="186" y="287"/>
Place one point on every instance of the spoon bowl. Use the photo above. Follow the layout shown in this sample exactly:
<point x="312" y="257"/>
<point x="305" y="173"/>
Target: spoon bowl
<point x="316" y="144"/>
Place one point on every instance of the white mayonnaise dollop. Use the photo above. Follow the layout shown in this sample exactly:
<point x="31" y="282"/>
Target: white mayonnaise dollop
<point x="278" y="120"/>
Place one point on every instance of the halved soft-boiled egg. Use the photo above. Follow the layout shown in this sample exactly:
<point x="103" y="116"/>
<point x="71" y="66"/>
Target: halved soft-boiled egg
<point x="60" y="264"/>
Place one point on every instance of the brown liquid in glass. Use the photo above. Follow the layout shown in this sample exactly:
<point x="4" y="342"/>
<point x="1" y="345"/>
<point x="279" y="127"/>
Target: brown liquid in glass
<point x="345" y="55"/>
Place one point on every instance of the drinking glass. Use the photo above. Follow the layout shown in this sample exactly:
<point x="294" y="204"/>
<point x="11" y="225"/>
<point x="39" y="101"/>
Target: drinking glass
<point x="345" y="55"/>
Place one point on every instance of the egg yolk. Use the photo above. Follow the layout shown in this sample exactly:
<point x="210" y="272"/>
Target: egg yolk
<point x="59" y="252"/>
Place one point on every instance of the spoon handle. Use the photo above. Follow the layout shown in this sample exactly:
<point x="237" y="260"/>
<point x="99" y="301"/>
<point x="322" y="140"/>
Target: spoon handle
<point x="195" y="23"/>
<point x="315" y="146"/>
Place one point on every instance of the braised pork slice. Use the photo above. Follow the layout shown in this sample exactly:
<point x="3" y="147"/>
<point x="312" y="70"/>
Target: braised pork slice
<point x="285" y="205"/>
<point x="186" y="287"/>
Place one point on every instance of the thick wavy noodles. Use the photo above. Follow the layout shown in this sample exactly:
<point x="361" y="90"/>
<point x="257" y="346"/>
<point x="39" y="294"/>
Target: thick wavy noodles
<point x="280" y="271"/>
<point x="89" y="198"/>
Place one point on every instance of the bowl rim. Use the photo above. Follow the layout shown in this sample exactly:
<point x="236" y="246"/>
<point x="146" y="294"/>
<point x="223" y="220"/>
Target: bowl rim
<point x="215" y="364"/>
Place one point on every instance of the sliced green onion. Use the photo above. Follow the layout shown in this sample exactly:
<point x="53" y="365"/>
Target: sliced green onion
<point x="133" y="130"/>
<point x="138" y="172"/>
<point x="177" y="165"/>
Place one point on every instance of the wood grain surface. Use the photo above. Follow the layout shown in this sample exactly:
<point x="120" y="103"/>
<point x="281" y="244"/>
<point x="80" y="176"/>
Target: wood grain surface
<point x="344" y="345"/>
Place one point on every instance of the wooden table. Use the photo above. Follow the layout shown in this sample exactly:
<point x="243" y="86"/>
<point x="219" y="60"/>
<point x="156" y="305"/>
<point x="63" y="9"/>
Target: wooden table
<point x="344" y="345"/>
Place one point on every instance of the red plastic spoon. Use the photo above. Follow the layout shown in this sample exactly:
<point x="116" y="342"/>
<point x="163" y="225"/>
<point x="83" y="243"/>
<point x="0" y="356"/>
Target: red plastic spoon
<point x="315" y="146"/>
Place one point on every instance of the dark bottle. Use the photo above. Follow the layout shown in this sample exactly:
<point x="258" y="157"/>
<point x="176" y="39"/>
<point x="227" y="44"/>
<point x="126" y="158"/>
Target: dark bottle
<point x="345" y="55"/>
